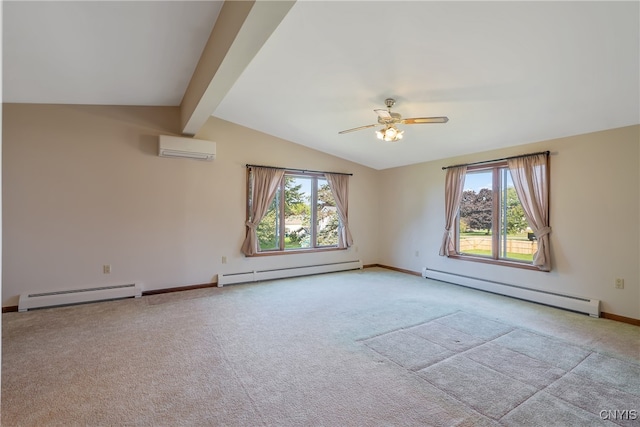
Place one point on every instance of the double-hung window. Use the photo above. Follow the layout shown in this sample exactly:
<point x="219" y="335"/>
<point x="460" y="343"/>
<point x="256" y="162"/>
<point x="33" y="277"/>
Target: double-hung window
<point x="491" y="222"/>
<point x="302" y="216"/>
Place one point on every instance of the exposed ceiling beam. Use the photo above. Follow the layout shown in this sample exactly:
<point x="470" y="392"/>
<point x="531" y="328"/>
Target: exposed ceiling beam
<point x="240" y="31"/>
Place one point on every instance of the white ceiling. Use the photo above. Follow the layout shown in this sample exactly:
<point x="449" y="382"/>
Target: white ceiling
<point x="103" y="52"/>
<point x="505" y="73"/>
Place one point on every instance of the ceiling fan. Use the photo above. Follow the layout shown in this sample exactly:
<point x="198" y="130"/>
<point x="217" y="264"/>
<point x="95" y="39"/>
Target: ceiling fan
<point x="389" y="120"/>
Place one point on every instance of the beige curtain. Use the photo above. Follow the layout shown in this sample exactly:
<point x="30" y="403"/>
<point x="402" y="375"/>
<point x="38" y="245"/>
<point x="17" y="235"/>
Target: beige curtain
<point x="530" y="177"/>
<point x="454" y="183"/>
<point x="339" y="185"/>
<point x="264" y="185"/>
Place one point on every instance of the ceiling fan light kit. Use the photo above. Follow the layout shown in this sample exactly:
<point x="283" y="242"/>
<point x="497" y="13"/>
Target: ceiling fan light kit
<point x="390" y="133"/>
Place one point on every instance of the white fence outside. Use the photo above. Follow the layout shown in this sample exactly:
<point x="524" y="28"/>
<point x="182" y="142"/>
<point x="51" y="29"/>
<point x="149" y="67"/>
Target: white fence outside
<point x="484" y="244"/>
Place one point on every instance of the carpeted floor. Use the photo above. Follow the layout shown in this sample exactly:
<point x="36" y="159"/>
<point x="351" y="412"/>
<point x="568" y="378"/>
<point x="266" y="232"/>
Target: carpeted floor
<point x="362" y="348"/>
<point x="507" y="374"/>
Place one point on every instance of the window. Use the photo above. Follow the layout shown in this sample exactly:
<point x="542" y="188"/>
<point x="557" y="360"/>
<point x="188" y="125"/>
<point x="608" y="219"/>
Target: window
<point x="491" y="223"/>
<point x="302" y="216"/>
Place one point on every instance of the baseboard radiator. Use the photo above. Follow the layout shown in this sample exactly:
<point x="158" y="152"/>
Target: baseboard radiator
<point x="280" y="273"/>
<point x="578" y="304"/>
<point x="76" y="296"/>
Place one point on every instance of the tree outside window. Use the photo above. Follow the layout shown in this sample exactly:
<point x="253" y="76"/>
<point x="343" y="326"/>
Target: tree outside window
<point x="303" y="215"/>
<point x="491" y="220"/>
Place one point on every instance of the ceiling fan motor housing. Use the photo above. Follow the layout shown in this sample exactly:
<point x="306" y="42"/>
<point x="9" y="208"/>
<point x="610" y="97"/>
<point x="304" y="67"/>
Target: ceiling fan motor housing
<point x="395" y="118"/>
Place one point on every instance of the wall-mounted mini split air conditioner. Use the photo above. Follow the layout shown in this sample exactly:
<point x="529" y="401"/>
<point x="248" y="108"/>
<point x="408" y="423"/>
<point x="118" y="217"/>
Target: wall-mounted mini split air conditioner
<point x="176" y="146"/>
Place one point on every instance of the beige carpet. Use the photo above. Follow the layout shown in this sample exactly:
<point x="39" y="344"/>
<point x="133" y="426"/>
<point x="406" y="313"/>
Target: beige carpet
<point x="362" y="348"/>
<point x="502" y="371"/>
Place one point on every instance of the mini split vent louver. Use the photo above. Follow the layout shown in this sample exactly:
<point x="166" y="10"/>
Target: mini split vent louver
<point x="175" y="146"/>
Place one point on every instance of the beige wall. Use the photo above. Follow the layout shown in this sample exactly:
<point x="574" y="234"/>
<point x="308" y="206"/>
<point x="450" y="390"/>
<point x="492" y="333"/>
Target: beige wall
<point x="83" y="186"/>
<point x="595" y="212"/>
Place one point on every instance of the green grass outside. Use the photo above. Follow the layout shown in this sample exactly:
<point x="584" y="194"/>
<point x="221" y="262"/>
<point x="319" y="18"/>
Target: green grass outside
<point x="510" y="255"/>
<point x="522" y="236"/>
<point x="487" y="253"/>
<point x="288" y="244"/>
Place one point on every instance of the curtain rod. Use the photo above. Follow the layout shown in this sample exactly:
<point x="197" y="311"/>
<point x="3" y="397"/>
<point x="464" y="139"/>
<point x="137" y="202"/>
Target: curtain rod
<point x="297" y="170"/>
<point x="496" y="160"/>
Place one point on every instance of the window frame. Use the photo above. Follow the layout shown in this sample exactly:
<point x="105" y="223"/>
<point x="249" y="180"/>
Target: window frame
<point x="281" y="250"/>
<point x="495" y="168"/>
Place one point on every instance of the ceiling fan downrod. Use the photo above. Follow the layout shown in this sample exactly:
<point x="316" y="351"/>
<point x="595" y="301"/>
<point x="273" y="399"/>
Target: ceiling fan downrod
<point x="389" y="102"/>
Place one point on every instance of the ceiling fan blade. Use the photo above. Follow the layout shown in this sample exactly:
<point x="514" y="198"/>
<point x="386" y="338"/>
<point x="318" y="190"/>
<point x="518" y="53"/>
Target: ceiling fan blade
<point x="383" y="114"/>
<point x="358" y="128"/>
<point x="418" y="120"/>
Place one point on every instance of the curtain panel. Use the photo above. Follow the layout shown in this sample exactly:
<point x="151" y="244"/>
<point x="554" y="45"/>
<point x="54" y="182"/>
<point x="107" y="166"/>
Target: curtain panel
<point x="264" y="183"/>
<point x="339" y="185"/>
<point x="530" y="177"/>
<point x="454" y="183"/>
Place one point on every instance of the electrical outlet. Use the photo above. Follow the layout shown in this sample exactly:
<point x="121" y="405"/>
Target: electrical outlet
<point x="106" y="269"/>
<point x="417" y="253"/>
<point x="224" y="259"/>
<point x="619" y="283"/>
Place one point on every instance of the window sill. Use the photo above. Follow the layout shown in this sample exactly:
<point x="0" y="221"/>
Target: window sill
<point x="505" y="263"/>
<point x="295" y="251"/>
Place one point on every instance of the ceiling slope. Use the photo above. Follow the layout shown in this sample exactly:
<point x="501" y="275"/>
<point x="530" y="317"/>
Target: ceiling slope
<point x="505" y="73"/>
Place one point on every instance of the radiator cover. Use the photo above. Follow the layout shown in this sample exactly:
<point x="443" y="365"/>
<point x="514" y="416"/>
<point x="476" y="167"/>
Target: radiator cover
<point x="31" y="300"/>
<point x="585" y="305"/>
<point x="280" y="273"/>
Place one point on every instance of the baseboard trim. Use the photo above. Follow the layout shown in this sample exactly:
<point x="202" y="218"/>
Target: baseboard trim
<point x="623" y="319"/>
<point x="401" y="270"/>
<point x="370" y="265"/>
<point x="179" y="289"/>
<point x="9" y="308"/>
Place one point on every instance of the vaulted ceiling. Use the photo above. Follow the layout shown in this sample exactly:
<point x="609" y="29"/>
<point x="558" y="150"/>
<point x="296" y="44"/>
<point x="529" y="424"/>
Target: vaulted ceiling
<point x="505" y="73"/>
